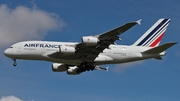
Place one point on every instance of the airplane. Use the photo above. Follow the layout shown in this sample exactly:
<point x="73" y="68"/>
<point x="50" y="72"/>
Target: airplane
<point x="93" y="51"/>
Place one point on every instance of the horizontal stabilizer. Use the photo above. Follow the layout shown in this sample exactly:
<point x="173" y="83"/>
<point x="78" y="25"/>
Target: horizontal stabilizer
<point x="159" y="49"/>
<point x="101" y="68"/>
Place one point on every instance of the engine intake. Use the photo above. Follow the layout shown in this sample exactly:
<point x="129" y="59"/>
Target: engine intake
<point x="90" y="40"/>
<point x="57" y="67"/>
<point x="72" y="70"/>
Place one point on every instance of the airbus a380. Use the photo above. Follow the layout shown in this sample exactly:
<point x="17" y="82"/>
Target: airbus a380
<point x="75" y="58"/>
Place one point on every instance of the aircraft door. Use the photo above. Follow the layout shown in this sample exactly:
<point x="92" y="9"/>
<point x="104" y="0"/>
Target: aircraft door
<point x="43" y="50"/>
<point x="18" y="49"/>
<point x="129" y="54"/>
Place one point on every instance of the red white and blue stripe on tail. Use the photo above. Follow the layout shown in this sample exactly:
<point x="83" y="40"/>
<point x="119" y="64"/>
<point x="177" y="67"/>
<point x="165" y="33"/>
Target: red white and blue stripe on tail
<point x="153" y="36"/>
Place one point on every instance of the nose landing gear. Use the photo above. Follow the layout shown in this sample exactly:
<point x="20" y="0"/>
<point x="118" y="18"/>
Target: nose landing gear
<point x="14" y="64"/>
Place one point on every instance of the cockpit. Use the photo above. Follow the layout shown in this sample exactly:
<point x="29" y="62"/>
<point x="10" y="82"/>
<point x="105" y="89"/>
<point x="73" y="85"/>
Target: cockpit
<point x="8" y="51"/>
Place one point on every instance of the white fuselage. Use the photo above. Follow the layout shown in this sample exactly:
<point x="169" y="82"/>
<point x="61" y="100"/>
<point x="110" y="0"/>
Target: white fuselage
<point x="39" y="50"/>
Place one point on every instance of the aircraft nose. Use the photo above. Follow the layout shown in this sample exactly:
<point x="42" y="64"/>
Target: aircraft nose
<point x="7" y="52"/>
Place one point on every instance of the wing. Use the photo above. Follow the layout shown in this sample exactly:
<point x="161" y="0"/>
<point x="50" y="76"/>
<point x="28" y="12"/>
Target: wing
<point x="91" y="46"/>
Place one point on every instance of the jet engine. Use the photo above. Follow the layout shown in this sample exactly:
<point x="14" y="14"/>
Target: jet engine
<point x="72" y="70"/>
<point x="65" y="50"/>
<point x="90" y="40"/>
<point x="57" y="67"/>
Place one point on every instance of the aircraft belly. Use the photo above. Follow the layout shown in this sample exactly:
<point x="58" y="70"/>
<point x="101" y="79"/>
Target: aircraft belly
<point x="64" y="61"/>
<point x="103" y="58"/>
<point x="124" y="57"/>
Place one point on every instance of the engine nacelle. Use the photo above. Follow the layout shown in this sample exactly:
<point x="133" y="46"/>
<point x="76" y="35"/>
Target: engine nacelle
<point x="72" y="70"/>
<point x="65" y="50"/>
<point x="57" y="67"/>
<point x="90" y="40"/>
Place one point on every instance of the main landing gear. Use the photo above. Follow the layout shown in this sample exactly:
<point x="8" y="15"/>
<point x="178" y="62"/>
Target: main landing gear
<point x="86" y="66"/>
<point x="14" y="64"/>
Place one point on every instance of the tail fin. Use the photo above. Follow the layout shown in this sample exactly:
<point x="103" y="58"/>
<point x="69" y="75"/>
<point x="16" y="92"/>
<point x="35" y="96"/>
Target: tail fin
<point x="153" y="36"/>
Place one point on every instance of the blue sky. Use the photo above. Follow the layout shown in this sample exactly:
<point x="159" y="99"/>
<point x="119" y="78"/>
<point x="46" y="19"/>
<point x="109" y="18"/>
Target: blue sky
<point x="150" y="80"/>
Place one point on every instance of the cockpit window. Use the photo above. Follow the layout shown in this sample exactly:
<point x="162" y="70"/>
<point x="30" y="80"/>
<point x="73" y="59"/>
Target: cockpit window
<point x="11" y="47"/>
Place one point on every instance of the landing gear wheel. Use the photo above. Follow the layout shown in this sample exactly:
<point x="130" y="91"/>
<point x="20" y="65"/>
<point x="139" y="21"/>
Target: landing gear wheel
<point x="83" y="64"/>
<point x="14" y="64"/>
<point x="86" y="66"/>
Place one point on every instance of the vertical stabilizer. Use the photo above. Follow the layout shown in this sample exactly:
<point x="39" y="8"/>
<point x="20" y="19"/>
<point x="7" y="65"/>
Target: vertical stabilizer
<point x="153" y="36"/>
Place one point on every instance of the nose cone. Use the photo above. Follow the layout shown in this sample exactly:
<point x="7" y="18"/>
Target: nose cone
<point x="7" y="52"/>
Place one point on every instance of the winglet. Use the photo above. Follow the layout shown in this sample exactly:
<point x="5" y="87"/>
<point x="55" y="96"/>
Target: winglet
<point x="139" y="21"/>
